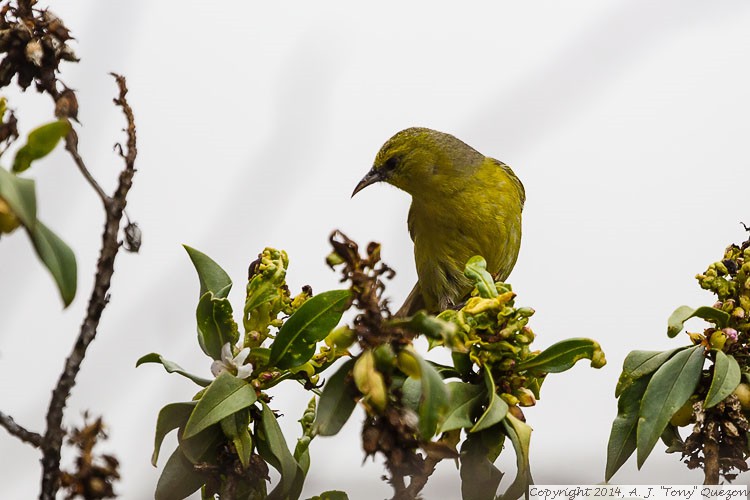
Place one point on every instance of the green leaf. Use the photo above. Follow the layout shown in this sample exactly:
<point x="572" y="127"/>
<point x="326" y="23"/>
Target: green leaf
<point x="463" y="363"/>
<point x="336" y="403"/>
<point x="171" y="367"/>
<point x="445" y="371"/>
<point x="622" y="437"/>
<point x="202" y="447"/>
<point x="669" y="388"/>
<point x="640" y="363"/>
<point x="683" y="313"/>
<point x="476" y="271"/>
<point x="311" y="323"/>
<point x="179" y="479"/>
<point x="235" y="427"/>
<point x="42" y="140"/>
<point x="464" y="402"/>
<point x="421" y="322"/>
<point x="411" y="393"/>
<point x="216" y="325"/>
<point x="727" y="377"/>
<point x="171" y="417"/>
<point x="479" y="477"/>
<point x="433" y="402"/>
<point x="520" y="435"/>
<point x="226" y="395"/>
<point x="58" y="258"/>
<point x="563" y="355"/>
<point x="20" y="195"/>
<point x="672" y="439"/>
<point x="496" y="409"/>
<point x="211" y="276"/>
<point x="330" y="495"/>
<point x="274" y="450"/>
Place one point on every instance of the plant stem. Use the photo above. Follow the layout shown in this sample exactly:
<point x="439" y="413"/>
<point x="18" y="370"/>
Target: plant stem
<point x="113" y="206"/>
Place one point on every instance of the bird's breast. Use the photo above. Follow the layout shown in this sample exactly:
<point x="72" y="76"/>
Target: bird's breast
<point x="447" y="231"/>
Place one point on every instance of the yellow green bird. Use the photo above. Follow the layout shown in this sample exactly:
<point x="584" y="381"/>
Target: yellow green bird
<point x="463" y="204"/>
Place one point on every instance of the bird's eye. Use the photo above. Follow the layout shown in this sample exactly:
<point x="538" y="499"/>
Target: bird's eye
<point x="391" y="163"/>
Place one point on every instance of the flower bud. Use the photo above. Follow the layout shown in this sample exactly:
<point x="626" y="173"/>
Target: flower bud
<point x="717" y="340"/>
<point x="525" y="397"/>
<point x="743" y="395"/>
<point x="8" y="220"/>
<point x="369" y="381"/>
<point x="720" y="268"/>
<point x="683" y="416"/>
<point x="341" y="337"/>
<point x="509" y="398"/>
<point x="526" y="311"/>
<point x="408" y="364"/>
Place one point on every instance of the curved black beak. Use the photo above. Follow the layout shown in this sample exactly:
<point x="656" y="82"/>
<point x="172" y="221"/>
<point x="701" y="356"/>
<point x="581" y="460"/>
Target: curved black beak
<point x="371" y="177"/>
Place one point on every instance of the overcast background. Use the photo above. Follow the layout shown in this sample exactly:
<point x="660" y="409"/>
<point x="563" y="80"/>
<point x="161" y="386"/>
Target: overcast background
<point x="627" y="122"/>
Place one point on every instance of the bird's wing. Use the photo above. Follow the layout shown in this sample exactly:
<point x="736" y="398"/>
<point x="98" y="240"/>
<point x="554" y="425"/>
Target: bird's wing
<point x="410" y="222"/>
<point x="516" y="181"/>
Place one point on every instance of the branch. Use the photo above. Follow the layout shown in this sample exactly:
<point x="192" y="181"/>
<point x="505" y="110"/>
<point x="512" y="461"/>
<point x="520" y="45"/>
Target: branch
<point x="71" y="145"/>
<point x="114" y="206"/>
<point x="418" y="481"/>
<point x="14" y="429"/>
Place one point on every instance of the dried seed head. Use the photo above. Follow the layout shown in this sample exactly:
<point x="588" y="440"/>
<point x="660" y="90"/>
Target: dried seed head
<point x="34" y="52"/>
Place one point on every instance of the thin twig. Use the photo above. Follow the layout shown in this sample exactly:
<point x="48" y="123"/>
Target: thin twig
<point x="114" y="206"/>
<point x="20" y="432"/>
<point x="71" y="145"/>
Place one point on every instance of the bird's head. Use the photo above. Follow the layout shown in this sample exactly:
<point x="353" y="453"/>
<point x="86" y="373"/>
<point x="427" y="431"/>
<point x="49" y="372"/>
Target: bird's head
<point x="417" y="159"/>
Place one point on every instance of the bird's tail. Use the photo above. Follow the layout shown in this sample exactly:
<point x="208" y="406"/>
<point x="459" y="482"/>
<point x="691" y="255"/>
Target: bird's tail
<point x="413" y="303"/>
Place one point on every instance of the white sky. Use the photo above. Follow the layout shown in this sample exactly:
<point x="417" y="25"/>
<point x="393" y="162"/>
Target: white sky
<point x="626" y="121"/>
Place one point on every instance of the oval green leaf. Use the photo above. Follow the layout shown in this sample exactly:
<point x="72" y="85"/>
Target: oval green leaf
<point x="273" y="449"/>
<point x="226" y="395"/>
<point x="202" y="447"/>
<point x="676" y="320"/>
<point x="171" y="417"/>
<point x="330" y="495"/>
<point x="563" y="355"/>
<point x="669" y="389"/>
<point x="235" y="427"/>
<point x="171" y="367"/>
<point x="211" y="276"/>
<point x="311" y="323"/>
<point x="58" y="258"/>
<point x="336" y="403"/>
<point x="464" y="402"/>
<point x="432" y="327"/>
<point x="216" y="326"/>
<point x="479" y="476"/>
<point x="520" y="435"/>
<point x="42" y="140"/>
<point x="20" y="195"/>
<point x="496" y="409"/>
<point x="640" y="363"/>
<point x="179" y="479"/>
<point x="727" y="377"/>
<point x="433" y="401"/>
<point x="622" y="437"/>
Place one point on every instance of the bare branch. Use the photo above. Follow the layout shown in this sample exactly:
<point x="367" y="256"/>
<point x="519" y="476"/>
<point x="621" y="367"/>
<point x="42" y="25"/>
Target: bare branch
<point x="114" y="208"/>
<point x="71" y="145"/>
<point x="21" y="433"/>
